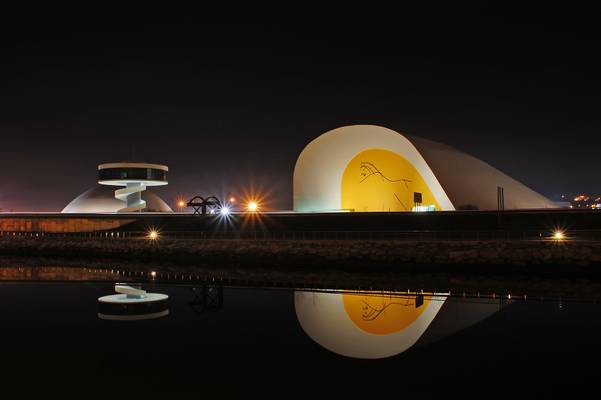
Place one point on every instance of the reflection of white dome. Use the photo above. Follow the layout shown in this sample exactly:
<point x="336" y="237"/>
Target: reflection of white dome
<point x="374" y="325"/>
<point x="325" y="318"/>
<point x="102" y="199"/>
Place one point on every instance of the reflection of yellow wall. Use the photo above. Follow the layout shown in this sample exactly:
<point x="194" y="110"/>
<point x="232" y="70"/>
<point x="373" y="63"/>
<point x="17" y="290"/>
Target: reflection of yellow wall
<point x="382" y="315"/>
<point x="380" y="180"/>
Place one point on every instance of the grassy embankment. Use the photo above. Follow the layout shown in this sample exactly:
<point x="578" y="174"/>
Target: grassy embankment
<point x="398" y="256"/>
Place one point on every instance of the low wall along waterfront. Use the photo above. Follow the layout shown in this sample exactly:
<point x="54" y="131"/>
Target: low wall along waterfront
<point x="60" y="225"/>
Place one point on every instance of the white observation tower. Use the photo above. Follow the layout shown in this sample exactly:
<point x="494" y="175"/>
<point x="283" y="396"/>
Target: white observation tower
<point x="135" y="176"/>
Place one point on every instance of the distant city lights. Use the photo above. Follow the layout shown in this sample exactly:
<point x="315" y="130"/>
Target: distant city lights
<point x="586" y="201"/>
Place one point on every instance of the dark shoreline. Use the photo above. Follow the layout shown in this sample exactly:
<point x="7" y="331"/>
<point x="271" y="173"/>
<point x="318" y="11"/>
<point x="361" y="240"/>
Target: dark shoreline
<point x="554" y="269"/>
<point x="504" y="257"/>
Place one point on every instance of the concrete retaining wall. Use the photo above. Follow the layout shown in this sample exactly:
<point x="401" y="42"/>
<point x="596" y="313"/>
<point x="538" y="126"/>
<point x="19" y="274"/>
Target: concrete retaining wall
<point x="60" y="225"/>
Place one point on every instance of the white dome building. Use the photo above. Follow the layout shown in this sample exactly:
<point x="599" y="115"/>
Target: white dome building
<point x="101" y="199"/>
<point x="371" y="168"/>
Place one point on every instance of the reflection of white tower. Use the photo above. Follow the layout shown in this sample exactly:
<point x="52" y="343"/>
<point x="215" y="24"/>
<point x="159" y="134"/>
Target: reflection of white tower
<point x="135" y="176"/>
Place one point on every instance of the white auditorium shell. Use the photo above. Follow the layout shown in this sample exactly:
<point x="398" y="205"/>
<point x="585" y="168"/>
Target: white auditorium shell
<point x="372" y="168"/>
<point x="101" y="199"/>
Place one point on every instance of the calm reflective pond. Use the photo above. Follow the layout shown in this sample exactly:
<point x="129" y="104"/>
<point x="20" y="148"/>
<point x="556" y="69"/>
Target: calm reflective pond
<point x="220" y="340"/>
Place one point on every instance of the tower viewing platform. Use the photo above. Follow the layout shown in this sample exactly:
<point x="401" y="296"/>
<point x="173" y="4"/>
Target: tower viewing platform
<point x="135" y="177"/>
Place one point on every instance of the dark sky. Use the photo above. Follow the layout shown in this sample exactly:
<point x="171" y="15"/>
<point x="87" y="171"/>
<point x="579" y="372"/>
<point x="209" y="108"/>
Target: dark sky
<point x="229" y="97"/>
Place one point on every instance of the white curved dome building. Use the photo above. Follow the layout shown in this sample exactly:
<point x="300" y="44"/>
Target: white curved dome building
<point x="101" y="198"/>
<point x="372" y="168"/>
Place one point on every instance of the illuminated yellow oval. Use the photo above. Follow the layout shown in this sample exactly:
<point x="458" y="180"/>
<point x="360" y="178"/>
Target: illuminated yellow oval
<point x="383" y="315"/>
<point x="380" y="180"/>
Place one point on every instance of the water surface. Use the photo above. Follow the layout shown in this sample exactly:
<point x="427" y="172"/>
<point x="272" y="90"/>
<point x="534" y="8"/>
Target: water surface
<point x="240" y="341"/>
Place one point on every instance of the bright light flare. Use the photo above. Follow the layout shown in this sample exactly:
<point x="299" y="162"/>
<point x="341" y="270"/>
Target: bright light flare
<point x="153" y="234"/>
<point x="232" y="199"/>
<point x="558" y="235"/>
<point x="181" y="203"/>
<point x="224" y="211"/>
<point x="252" y="206"/>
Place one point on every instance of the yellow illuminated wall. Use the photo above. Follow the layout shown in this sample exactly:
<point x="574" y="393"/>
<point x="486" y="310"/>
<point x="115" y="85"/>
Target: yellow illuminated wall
<point x="383" y="315"/>
<point x="380" y="180"/>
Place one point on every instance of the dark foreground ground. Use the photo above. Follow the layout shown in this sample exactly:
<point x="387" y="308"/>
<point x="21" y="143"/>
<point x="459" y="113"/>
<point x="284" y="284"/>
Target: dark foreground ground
<point x="395" y="255"/>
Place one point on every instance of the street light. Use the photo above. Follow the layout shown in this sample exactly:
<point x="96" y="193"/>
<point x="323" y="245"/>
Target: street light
<point x="252" y="206"/>
<point x="181" y="203"/>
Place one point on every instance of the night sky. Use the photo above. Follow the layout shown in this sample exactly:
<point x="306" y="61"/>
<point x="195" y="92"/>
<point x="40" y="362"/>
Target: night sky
<point x="229" y="97"/>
